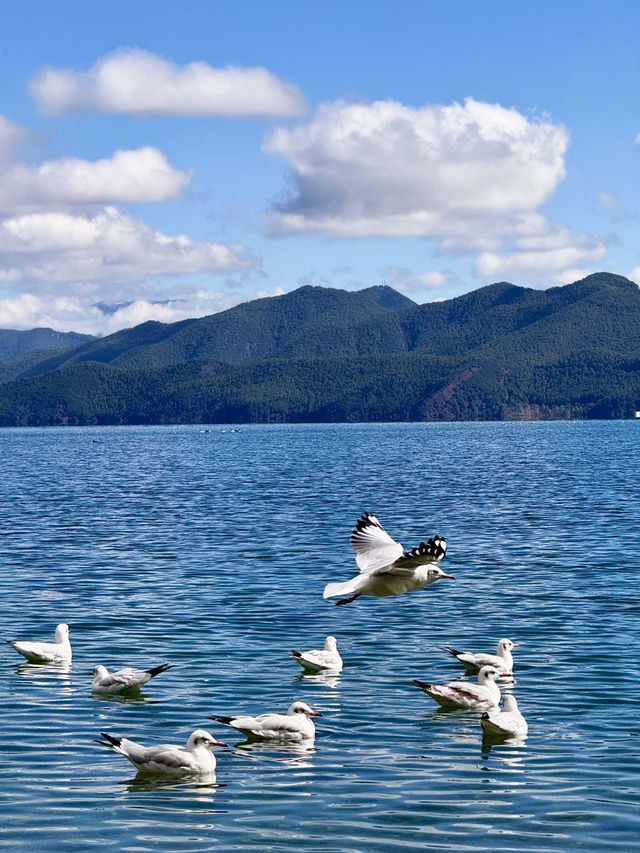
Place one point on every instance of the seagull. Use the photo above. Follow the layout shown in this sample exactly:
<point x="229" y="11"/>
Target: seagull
<point x="385" y="568"/>
<point x="320" y="660"/>
<point x="483" y="696"/>
<point x="59" y="650"/>
<point x="124" y="679"/>
<point x="508" y="723"/>
<point x="503" y="660"/>
<point x="295" y="725"/>
<point x="168" y="759"/>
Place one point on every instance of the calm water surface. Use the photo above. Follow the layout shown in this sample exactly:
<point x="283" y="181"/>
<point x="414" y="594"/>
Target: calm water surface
<point x="211" y="550"/>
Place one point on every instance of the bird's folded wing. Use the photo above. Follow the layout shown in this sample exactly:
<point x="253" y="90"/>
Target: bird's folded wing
<point x="169" y="756"/>
<point x="467" y="692"/>
<point x="318" y="658"/>
<point x="127" y="677"/>
<point x="374" y="548"/>
<point x="276" y="722"/>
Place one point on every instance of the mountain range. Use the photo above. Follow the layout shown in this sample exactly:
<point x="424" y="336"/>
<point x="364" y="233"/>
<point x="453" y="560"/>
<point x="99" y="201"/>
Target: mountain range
<point x="322" y="354"/>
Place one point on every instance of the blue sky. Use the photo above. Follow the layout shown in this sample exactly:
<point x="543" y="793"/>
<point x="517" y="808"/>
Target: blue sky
<point x="435" y="147"/>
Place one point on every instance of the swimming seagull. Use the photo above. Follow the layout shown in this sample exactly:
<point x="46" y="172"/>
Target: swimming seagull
<point x="320" y="660"/>
<point x="385" y="567"/>
<point x="508" y="723"/>
<point x="483" y="696"/>
<point x="59" y="650"/>
<point x="124" y="679"/>
<point x="195" y="758"/>
<point x="503" y="660"/>
<point x="295" y="725"/>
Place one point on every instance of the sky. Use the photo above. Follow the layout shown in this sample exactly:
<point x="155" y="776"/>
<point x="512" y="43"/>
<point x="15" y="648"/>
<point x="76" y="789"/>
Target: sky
<point x="163" y="160"/>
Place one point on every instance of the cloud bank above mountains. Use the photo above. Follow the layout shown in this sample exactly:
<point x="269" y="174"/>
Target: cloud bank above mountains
<point x="470" y="179"/>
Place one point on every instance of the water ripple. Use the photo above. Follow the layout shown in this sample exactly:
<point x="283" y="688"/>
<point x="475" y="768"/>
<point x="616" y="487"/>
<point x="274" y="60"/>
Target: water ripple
<point x="210" y="551"/>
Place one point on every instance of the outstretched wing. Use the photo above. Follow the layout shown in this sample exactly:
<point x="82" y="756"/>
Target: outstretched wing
<point x="374" y="548"/>
<point x="425" y="553"/>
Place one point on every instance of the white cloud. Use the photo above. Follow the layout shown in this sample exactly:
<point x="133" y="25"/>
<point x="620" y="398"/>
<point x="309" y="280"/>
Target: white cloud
<point x="407" y="281"/>
<point x="81" y="314"/>
<point x="108" y="246"/>
<point x="557" y="257"/>
<point x="141" y="83"/>
<point x="142" y="175"/>
<point x="634" y="275"/>
<point x="459" y="174"/>
<point x="12" y="136"/>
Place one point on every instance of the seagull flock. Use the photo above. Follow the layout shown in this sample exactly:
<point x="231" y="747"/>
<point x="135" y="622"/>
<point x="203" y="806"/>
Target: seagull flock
<point x="385" y="569"/>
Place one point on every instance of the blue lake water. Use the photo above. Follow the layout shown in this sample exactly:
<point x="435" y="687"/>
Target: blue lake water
<point x="211" y="551"/>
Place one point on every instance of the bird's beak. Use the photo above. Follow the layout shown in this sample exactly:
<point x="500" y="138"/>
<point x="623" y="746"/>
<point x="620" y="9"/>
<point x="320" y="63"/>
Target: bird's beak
<point x="448" y="577"/>
<point x="516" y="645"/>
<point x="219" y="743"/>
<point x="316" y="714"/>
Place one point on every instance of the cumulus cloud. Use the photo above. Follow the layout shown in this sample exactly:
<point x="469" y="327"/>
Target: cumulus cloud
<point x="141" y="175"/>
<point x="12" y="136"/>
<point x="557" y="257"/>
<point x="138" y="82"/>
<point x="107" y="246"/>
<point x="81" y="314"/>
<point x="458" y="173"/>
<point x="407" y="281"/>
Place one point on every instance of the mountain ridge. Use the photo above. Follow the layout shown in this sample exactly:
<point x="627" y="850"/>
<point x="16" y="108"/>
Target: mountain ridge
<point x="502" y="351"/>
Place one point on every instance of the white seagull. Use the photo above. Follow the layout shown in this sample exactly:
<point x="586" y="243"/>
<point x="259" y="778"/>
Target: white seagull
<point x="507" y="723"/>
<point x="124" y="679"/>
<point x="56" y="652"/>
<point x="385" y="567"/>
<point x="194" y="759"/>
<point x="503" y="660"/>
<point x="320" y="660"/>
<point x="295" y="725"/>
<point x="483" y="696"/>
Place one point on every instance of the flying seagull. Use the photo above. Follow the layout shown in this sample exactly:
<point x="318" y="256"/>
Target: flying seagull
<point x="385" y="567"/>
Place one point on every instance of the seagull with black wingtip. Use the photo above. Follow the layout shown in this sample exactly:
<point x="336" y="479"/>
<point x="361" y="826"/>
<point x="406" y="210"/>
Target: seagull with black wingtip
<point x="385" y="567"/>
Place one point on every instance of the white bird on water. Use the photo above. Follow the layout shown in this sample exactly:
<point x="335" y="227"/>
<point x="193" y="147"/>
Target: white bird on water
<point x="507" y="723"/>
<point x="483" y="696"/>
<point x="194" y="759"/>
<point x="320" y="660"/>
<point x="296" y="725"/>
<point x="124" y="679"/>
<point x="503" y="660"/>
<point x="385" y="567"/>
<point x="56" y="652"/>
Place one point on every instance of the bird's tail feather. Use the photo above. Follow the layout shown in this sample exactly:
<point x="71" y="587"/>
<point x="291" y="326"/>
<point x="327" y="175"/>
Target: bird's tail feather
<point x="344" y="588"/>
<point x="109" y="740"/>
<point x="225" y="720"/>
<point x="421" y="684"/>
<point x="452" y="651"/>
<point x="156" y="670"/>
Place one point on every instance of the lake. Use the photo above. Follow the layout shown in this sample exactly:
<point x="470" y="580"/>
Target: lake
<point x="210" y="550"/>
